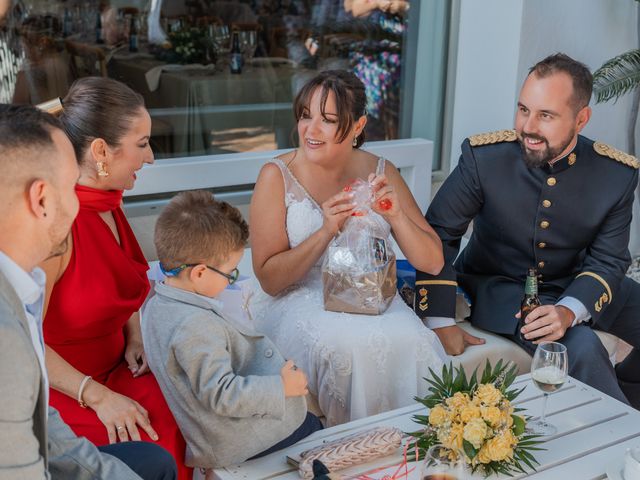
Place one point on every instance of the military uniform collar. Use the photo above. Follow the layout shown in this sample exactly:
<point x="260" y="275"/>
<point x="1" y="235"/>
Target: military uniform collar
<point x="568" y="161"/>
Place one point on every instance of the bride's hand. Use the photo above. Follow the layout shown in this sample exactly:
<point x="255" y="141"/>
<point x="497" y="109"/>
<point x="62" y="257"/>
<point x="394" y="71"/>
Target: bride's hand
<point x="385" y="201"/>
<point x="336" y="210"/>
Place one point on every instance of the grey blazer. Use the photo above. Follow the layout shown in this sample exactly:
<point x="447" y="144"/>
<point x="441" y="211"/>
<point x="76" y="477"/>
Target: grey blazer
<point x="221" y="380"/>
<point x="34" y="441"/>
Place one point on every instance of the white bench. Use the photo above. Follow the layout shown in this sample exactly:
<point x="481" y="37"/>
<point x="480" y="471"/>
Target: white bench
<point x="412" y="156"/>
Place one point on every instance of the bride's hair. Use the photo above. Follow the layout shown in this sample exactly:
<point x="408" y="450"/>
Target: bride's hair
<point x="349" y="94"/>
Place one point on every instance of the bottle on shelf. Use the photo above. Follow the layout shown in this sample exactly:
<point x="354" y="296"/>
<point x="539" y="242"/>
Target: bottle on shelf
<point x="530" y="301"/>
<point x="133" y="34"/>
<point x="67" y="23"/>
<point x="99" y="33"/>
<point x="235" y="56"/>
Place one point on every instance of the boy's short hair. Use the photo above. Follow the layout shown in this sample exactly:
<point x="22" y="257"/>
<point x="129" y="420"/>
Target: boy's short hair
<point x="196" y="228"/>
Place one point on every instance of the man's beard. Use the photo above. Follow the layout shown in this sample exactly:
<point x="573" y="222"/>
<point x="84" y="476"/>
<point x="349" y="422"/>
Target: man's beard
<point x="537" y="158"/>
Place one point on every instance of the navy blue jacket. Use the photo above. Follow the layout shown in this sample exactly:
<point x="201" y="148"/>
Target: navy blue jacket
<point x="571" y="220"/>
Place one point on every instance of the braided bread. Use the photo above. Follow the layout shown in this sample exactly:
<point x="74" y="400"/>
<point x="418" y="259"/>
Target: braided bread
<point x="352" y="450"/>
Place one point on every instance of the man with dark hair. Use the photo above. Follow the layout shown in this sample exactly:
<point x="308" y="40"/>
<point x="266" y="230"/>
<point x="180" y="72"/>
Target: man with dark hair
<point x="37" y="207"/>
<point x="542" y="196"/>
<point x="580" y="76"/>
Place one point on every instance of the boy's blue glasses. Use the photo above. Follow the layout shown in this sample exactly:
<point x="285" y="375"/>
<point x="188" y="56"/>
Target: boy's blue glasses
<point x="231" y="277"/>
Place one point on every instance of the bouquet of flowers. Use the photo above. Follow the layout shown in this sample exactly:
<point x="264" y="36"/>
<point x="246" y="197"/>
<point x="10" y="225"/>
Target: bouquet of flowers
<point x="475" y="420"/>
<point x="187" y="45"/>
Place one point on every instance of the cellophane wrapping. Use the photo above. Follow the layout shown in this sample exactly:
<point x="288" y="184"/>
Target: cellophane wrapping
<point x="359" y="268"/>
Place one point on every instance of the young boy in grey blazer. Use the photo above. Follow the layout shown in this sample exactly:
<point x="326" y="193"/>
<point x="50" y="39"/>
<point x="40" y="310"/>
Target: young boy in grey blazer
<point x="232" y="393"/>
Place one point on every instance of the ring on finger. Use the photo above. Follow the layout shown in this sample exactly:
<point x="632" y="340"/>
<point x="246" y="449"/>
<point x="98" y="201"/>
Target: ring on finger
<point x="119" y="428"/>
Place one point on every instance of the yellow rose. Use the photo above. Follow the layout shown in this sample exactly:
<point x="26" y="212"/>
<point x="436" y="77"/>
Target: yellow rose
<point x="437" y="415"/>
<point x="493" y="415"/>
<point x="488" y="395"/>
<point x="469" y="412"/>
<point x="508" y="419"/>
<point x="451" y="438"/>
<point x="458" y="401"/>
<point x="475" y="432"/>
<point x="483" y="455"/>
<point x="501" y="446"/>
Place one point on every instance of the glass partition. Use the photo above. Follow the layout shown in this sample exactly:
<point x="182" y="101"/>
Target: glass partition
<point x="217" y="76"/>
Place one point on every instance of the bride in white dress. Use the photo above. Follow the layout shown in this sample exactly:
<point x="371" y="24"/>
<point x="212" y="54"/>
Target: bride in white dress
<point x="357" y="365"/>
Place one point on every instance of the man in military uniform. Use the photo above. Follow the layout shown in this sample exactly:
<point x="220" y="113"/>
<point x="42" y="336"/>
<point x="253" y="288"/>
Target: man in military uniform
<point x="542" y="196"/>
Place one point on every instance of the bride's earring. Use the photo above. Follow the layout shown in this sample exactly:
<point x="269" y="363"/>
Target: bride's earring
<point x="102" y="169"/>
<point x="355" y="141"/>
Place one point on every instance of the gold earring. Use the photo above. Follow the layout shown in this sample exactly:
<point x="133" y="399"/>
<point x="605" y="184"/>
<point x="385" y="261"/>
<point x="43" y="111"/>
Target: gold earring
<point x="102" y="171"/>
<point x="355" y="141"/>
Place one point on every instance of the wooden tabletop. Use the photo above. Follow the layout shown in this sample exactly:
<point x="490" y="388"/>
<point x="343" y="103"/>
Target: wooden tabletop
<point x="594" y="430"/>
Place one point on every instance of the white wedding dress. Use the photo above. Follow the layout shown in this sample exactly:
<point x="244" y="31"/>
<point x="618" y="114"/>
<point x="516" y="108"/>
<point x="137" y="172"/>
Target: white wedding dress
<point x="357" y="365"/>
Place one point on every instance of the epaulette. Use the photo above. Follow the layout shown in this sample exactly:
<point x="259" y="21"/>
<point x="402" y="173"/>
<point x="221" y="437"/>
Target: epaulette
<point x="618" y="155"/>
<point x="492" y="137"/>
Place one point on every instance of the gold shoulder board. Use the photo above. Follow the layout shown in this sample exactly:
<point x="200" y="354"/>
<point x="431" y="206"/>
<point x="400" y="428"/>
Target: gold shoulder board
<point x="492" y="137"/>
<point x="618" y="155"/>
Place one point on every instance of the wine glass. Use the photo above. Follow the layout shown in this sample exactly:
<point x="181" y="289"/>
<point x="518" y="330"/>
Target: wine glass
<point x="549" y="372"/>
<point x="221" y="41"/>
<point x="438" y="466"/>
<point x="248" y="43"/>
<point x="221" y="37"/>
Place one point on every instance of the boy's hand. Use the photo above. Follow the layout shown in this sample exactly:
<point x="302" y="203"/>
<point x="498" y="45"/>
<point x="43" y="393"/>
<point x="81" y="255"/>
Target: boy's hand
<point x="294" y="380"/>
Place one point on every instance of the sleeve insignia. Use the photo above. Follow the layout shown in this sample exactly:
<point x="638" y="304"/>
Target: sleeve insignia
<point x="617" y="155"/>
<point x="423" y="303"/>
<point x="604" y="298"/>
<point x="493" y="137"/>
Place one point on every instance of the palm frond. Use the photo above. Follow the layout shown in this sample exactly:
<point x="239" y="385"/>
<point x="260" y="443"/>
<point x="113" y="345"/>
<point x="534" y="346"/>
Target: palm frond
<point x="617" y="76"/>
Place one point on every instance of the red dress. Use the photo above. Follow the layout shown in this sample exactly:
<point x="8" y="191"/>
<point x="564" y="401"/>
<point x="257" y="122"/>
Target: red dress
<point x="104" y="284"/>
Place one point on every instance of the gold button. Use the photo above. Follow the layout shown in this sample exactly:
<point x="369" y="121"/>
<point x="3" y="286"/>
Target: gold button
<point x="544" y="224"/>
<point x="546" y="203"/>
<point x="572" y="159"/>
<point x="551" y="181"/>
<point x="540" y="264"/>
<point x="542" y="245"/>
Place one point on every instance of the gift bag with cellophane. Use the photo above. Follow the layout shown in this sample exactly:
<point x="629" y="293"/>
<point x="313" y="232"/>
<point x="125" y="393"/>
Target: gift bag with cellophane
<point x="359" y="268"/>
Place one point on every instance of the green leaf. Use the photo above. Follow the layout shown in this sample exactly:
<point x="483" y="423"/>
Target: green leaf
<point x="518" y="425"/>
<point x="617" y="76"/>
<point x="469" y="449"/>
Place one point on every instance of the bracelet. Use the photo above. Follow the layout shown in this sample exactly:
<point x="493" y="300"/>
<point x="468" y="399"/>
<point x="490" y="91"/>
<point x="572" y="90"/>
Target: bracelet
<point x="83" y="384"/>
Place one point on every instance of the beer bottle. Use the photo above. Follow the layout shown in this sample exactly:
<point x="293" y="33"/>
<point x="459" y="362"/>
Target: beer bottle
<point x="530" y="301"/>
<point x="235" y="55"/>
<point x="133" y="35"/>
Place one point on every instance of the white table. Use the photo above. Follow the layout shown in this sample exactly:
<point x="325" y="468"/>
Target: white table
<point x="593" y="431"/>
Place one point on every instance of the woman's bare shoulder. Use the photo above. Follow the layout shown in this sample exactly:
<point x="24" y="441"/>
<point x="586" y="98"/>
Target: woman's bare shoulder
<point x="270" y="173"/>
<point x="366" y="161"/>
<point x="287" y="157"/>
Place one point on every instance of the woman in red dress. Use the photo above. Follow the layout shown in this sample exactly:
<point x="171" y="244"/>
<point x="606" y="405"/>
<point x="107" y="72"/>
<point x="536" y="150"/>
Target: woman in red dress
<point x="100" y="380"/>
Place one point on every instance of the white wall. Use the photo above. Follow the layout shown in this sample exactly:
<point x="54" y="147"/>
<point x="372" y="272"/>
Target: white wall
<point x="500" y="39"/>
<point x="487" y="68"/>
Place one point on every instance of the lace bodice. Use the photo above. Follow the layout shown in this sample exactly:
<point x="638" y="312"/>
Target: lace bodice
<point x="304" y="215"/>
